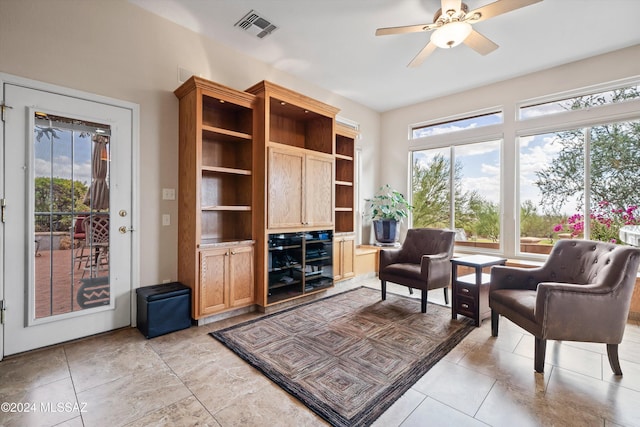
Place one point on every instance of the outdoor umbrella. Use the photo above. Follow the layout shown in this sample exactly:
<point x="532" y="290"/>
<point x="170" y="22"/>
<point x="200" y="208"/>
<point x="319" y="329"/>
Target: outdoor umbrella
<point x="98" y="195"/>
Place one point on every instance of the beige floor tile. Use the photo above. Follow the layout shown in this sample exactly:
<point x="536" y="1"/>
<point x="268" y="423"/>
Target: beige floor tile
<point x="507" y="367"/>
<point x="31" y="370"/>
<point x="112" y="363"/>
<point x="189" y="355"/>
<point x="560" y="354"/>
<point x="512" y="406"/>
<point x="401" y="409"/>
<point x="49" y="404"/>
<point x="74" y="422"/>
<point x="129" y="398"/>
<point x="185" y="413"/>
<point x="220" y="384"/>
<point x="630" y="374"/>
<point x="455" y="386"/>
<point x="436" y="414"/>
<point x="610" y="401"/>
<point x="107" y="342"/>
<point x="267" y="406"/>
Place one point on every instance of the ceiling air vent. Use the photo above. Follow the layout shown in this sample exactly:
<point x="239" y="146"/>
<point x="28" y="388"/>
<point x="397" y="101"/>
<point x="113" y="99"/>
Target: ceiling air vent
<point x="254" y="23"/>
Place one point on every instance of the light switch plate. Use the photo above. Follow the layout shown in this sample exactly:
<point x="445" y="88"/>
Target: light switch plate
<point x="166" y="219"/>
<point x="168" y="194"/>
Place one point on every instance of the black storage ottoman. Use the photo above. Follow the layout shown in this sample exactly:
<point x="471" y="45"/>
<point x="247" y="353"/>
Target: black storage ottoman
<point x="163" y="308"/>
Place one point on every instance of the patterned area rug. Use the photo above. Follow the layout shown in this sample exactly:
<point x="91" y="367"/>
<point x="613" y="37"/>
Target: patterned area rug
<point x="349" y="356"/>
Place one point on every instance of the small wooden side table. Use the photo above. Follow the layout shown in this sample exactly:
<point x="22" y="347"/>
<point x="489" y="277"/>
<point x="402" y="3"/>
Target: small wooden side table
<point x="470" y="293"/>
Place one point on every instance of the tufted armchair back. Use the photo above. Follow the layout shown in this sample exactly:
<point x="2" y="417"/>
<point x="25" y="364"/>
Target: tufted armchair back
<point x="582" y="262"/>
<point x="425" y="241"/>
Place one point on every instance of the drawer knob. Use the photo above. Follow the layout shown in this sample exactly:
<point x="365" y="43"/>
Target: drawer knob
<point x="465" y="305"/>
<point x="465" y="290"/>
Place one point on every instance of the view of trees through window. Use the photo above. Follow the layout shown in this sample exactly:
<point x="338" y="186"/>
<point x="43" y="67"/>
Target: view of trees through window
<point x="473" y="195"/>
<point x="581" y="182"/>
<point x="557" y="201"/>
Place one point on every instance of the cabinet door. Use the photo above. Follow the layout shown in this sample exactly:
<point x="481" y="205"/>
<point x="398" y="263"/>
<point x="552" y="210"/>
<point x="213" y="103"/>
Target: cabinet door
<point x="318" y="190"/>
<point x="343" y="257"/>
<point x="241" y="278"/>
<point x="348" y="254"/>
<point x="214" y="294"/>
<point x="285" y="184"/>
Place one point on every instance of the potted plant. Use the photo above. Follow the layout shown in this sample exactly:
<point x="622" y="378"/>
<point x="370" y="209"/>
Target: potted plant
<point x="387" y="209"/>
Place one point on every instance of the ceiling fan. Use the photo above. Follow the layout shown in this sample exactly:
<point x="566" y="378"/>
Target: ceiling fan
<point x="452" y="26"/>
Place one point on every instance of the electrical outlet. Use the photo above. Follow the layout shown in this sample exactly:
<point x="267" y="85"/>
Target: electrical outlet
<point x="168" y="194"/>
<point x="166" y="219"/>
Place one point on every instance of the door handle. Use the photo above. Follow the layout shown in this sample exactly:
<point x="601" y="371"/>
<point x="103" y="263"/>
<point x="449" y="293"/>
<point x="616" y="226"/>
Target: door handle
<point x="123" y="229"/>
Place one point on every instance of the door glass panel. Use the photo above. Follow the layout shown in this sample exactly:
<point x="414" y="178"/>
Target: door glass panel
<point x="71" y="218"/>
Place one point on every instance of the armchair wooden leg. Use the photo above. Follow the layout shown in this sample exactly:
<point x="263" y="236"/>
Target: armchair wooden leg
<point x="423" y="301"/>
<point x="495" y="317"/>
<point x="612" y="352"/>
<point x="383" y="285"/>
<point x="540" y="352"/>
<point x="446" y="295"/>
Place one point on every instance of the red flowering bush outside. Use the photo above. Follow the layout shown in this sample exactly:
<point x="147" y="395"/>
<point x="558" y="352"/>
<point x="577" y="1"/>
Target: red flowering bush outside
<point x="606" y="221"/>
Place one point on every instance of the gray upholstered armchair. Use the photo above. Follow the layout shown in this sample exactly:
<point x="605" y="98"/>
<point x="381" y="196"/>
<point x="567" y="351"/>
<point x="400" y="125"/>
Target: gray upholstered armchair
<point x="582" y="293"/>
<point x="423" y="262"/>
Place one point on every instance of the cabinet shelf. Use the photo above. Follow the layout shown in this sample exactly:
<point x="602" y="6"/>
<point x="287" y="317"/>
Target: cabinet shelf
<point x="282" y="248"/>
<point x="220" y="169"/>
<point x="339" y="209"/>
<point x="227" y="208"/>
<point x="343" y="157"/>
<point x="226" y="134"/>
<point x="344" y="183"/>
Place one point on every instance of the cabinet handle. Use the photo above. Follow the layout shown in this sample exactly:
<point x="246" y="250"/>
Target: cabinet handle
<point x="465" y="290"/>
<point x="465" y="305"/>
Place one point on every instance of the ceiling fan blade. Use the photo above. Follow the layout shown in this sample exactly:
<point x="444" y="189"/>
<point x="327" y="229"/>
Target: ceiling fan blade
<point x="422" y="55"/>
<point x="450" y="5"/>
<point x="497" y="8"/>
<point x="404" y="29"/>
<point x="480" y="43"/>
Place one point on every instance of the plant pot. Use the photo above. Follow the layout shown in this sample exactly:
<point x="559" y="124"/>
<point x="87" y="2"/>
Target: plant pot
<point x="386" y="231"/>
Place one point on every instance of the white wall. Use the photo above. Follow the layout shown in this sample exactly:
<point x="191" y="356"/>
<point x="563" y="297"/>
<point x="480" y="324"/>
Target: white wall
<point x="115" y="49"/>
<point x="395" y="124"/>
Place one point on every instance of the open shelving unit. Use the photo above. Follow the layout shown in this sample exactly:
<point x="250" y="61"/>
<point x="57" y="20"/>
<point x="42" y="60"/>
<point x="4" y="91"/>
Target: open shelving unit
<point x="215" y="216"/>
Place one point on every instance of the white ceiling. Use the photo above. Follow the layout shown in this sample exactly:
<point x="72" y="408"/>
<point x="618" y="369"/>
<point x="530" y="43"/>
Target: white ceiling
<point x="331" y="43"/>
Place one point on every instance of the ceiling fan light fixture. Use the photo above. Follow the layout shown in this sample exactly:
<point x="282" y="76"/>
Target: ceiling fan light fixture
<point x="451" y="34"/>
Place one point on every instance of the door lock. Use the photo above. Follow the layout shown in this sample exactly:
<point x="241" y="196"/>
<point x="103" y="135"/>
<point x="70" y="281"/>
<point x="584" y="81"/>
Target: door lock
<point x="123" y="229"/>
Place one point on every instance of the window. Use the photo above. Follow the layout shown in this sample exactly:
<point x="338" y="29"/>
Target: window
<point x="471" y="191"/>
<point x="581" y="102"/>
<point x="556" y="201"/>
<point x="455" y="125"/>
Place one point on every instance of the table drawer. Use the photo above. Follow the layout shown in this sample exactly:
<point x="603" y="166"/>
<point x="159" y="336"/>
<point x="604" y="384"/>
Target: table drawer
<point x="466" y="305"/>
<point x="464" y="289"/>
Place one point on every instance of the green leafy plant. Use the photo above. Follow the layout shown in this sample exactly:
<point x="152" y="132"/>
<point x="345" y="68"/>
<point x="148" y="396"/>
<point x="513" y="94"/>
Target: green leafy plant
<point x="388" y="204"/>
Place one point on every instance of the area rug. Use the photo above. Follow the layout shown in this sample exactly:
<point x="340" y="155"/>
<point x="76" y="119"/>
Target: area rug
<point x="349" y="356"/>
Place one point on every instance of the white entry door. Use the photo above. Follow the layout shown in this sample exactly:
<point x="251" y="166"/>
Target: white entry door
<point x="67" y="219"/>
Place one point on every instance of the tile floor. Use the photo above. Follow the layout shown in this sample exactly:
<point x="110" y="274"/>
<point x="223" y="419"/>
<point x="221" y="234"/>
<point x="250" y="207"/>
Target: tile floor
<point x="187" y="378"/>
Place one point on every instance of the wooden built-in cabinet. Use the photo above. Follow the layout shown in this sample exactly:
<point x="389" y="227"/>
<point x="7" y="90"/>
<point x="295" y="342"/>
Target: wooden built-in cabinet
<point x="226" y="278"/>
<point x="255" y="166"/>
<point x="344" y="238"/>
<point x="299" y="186"/>
<point x="294" y="173"/>
<point x="344" y="247"/>
<point x="215" y="202"/>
